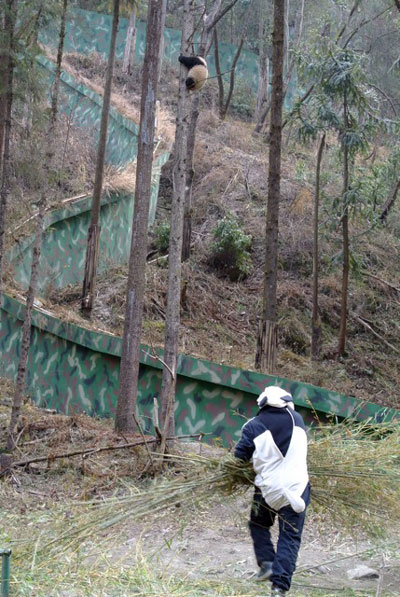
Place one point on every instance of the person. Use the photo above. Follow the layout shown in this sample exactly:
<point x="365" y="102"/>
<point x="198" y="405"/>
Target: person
<point x="276" y="442"/>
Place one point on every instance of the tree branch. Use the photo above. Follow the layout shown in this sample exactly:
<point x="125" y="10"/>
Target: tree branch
<point x="381" y="338"/>
<point x="49" y="458"/>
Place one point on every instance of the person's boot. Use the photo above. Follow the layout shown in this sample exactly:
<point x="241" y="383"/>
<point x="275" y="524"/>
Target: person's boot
<point x="264" y="572"/>
<point x="277" y="591"/>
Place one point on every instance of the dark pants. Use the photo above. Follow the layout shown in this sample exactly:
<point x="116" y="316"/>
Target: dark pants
<point x="290" y="528"/>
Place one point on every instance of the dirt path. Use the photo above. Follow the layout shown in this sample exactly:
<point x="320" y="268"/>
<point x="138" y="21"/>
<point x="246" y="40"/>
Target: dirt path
<point x="214" y="542"/>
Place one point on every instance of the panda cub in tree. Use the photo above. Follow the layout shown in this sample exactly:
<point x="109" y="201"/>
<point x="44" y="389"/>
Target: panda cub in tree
<point x="198" y="72"/>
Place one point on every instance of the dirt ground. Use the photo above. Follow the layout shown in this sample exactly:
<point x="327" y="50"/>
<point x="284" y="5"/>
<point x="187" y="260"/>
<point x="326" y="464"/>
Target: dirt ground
<point x="214" y="541"/>
<point x="196" y="540"/>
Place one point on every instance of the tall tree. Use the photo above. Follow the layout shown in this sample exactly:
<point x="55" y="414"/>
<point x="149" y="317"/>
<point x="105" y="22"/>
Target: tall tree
<point x="267" y="339"/>
<point x="56" y="85"/>
<point x="129" y="368"/>
<point x="10" y="18"/>
<point x="223" y="103"/>
<point x="175" y="241"/>
<point x="26" y="327"/>
<point x="130" y="42"/>
<point x="92" y="247"/>
<point x="263" y="59"/>
<point x="316" y="320"/>
<point x="211" y="16"/>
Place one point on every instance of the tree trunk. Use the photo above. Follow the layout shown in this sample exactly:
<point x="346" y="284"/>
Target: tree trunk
<point x="129" y="368"/>
<point x="3" y="91"/>
<point x="390" y="202"/>
<point x="26" y="328"/>
<point x="232" y="78"/>
<point x="56" y="85"/>
<point x="263" y="61"/>
<point x="267" y="349"/>
<point x="10" y="19"/>
<point x="175" y="242"/>
<point x="163" y="16"/>
<point x="130" y="43"/>
<point x="91" y="262"/>
<point x="345" y="236"/>
<point x="210" y="20"/>
<point x="190" y="172"/>
<point x="287" y="41"/>
<point x="289" y="71"/>
<point x="316" y="320"/>
<point x="219" y="75"/>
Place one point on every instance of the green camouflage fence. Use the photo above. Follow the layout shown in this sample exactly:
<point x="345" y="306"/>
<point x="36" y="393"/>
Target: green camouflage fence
<point x="62" y="260"/>
<point x="83" y="108"/>
<point x="91" y="32"/>
<point x="76" y="370"/>
<point x="64" y="244"/>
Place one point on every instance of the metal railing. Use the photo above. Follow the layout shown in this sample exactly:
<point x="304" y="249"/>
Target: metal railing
<point x="5" y="571"/>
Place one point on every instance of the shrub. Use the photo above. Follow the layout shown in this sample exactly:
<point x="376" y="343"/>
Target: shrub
<point x="230" y="249"/>
<point x="161" y="233"/>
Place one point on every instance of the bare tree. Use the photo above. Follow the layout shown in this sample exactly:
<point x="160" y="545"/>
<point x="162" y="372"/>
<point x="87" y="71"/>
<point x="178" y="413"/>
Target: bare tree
<point x="56" y="85"/>
<point x="26" y="327"/>
<point x="92" y="247"/>
<point x="130" y="43"/>
<point x="263" y="60"/>
<point x="290" y="64"/>
<point x="3" y="89"/>
<point x="210" y="20"/>
<point x="129" y="368"/>
<point x="224" y="103"/>
<point x="175" y="242"/>
<point x="268" y="330"/>
<point x="316" y="320"/>
<point x="10" y="18"/>
<point x="345" y="229"/>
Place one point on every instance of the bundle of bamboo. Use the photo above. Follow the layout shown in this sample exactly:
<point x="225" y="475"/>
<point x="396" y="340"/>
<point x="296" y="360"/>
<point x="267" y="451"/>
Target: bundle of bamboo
<point x="354" y="472"/>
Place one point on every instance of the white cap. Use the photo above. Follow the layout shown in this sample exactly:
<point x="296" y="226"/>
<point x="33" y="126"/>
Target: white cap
<point x="275" y="396"/>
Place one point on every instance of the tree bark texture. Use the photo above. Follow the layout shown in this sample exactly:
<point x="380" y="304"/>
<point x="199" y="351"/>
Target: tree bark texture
<point x="163" y="17"/>
<point x="91" y="261"/>
<point x="345" y="237"/>
<point x="9" y="20"/>
<point x="219" y="74"/>
<point x="129" y="367"/>
<point x="390" y="202"/>
<point x="130" y="43"/>
<point x="26" y="328"/>
<point x="267" y="352"/>
<point x="56" y="85"/>
<point x="3" y="91"/>
<point x="263" y="61"/>
<point x="289" y="70"/>
<point x="175" y="241"/>
<point x="316" y="320"/>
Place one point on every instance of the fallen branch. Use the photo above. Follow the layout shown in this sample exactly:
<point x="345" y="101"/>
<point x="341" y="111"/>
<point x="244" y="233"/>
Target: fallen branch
<point x="95" y="450"/>
<point x="392" y="286"/>
<point x="381" y="338"/>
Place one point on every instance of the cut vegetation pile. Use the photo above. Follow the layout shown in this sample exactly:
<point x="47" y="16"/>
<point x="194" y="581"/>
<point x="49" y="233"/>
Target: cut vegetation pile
<point x="354" y="473"/>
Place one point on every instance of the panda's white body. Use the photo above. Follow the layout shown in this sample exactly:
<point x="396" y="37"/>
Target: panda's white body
<point x="197" y="72"/>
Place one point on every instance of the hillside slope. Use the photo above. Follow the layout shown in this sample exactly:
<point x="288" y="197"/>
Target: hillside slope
<point x="219" y="316"/>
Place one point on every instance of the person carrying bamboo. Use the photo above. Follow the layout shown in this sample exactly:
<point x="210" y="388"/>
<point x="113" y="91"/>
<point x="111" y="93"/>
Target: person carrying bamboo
<point x="276" y="442"/>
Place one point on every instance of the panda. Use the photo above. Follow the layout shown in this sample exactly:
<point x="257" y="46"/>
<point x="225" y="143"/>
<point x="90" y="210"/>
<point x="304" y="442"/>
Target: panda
<point x="198" y="72"/>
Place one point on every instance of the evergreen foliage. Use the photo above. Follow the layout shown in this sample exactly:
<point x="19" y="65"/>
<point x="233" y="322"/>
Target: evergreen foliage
<point x="230" y="248"/>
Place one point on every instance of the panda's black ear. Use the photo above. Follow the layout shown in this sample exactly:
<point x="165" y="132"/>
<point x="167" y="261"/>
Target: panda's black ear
<point x="185" y="60"/>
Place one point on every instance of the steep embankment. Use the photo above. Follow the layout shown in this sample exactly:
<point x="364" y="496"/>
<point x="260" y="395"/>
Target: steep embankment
<point x="219" y="316"/>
